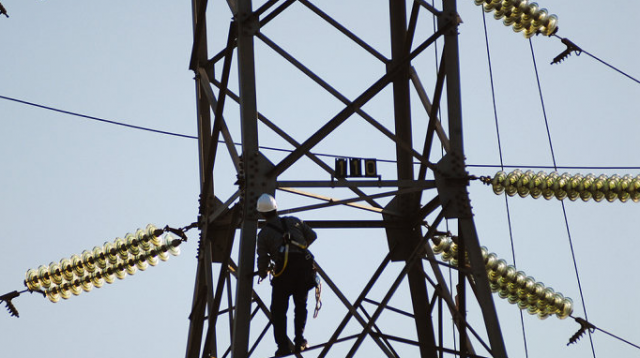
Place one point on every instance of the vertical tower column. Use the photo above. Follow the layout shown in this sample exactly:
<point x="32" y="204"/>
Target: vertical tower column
<point x="458" y="205"/>
<point x="408" y="204"/>
<point x="247" y="26"/>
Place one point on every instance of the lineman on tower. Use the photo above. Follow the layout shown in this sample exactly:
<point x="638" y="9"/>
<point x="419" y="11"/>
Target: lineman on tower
<point x="282" y="249"/>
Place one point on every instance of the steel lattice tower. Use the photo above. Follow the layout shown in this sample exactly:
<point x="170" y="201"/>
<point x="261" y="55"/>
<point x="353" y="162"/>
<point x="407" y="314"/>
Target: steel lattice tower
<point x="416" y="200"/>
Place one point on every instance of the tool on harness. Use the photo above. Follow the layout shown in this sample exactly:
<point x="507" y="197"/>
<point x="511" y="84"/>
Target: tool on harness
<point x="316" y="310"/>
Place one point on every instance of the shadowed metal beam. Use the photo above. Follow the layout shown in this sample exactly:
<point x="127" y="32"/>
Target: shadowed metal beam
<point x="350" y="109"/>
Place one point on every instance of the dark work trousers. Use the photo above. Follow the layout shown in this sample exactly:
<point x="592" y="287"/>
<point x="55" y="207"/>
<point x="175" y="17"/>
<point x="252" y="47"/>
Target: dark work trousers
<point x="289" y="283"/>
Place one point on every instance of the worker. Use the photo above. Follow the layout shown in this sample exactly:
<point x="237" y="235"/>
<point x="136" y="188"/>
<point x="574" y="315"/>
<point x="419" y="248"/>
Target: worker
<point x="282" y="250"/>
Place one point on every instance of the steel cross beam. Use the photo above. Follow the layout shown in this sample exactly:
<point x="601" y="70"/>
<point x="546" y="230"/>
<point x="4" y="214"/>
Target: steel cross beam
<point x="402" y="216"/>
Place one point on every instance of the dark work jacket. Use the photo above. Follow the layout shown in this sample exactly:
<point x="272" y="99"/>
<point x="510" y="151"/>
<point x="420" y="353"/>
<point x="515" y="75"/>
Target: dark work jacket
<point x="270" y="242"/>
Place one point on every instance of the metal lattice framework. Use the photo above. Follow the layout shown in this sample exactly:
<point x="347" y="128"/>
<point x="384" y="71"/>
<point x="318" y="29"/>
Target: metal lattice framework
<point x="408" y="209"/>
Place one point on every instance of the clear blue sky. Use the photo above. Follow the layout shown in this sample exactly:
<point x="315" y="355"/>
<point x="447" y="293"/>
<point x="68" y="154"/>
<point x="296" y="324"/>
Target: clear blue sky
<point x="70" y="184"/>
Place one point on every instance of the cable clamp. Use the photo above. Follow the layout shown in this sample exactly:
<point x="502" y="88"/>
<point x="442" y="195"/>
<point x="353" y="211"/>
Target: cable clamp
<point x="584" y="326"/>
<point x="571" y="47"/>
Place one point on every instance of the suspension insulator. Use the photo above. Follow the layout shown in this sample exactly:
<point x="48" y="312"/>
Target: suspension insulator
<point x="571" y="186"/>
<point x="523" y="16"/>
<point x="102" y="265"/>
<point x="510" y="284"/>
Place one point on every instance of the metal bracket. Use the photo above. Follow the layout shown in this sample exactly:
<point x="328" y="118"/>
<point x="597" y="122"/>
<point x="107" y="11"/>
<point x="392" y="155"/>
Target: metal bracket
<point x="452" y="181"/>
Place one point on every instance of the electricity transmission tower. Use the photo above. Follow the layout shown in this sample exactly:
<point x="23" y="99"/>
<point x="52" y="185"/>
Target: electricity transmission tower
<point x="409" y="206"/>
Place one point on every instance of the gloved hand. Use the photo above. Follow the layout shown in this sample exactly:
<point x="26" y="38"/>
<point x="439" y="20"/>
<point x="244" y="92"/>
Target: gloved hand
<point x="262" y="274"/>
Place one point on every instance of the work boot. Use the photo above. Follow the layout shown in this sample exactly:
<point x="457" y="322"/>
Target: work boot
<point x="283" y="351"/>
<point x="301" y="345"/>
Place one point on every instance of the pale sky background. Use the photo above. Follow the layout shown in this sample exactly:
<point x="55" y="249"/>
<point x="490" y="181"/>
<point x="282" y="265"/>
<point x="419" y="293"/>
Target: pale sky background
<point x="70" y="184"/>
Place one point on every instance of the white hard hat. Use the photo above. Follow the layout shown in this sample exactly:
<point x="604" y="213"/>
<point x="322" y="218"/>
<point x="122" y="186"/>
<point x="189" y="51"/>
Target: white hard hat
<point x="266" y="203"/>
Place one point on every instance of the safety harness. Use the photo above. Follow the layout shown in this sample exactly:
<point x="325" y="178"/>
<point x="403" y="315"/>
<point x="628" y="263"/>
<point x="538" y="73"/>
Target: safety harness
<point x="286" y="236"/>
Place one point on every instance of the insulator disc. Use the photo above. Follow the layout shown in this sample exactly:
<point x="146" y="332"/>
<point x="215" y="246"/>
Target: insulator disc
<point x="43" y="276"/>
<point x="485" y="253"/>
<point x="86" y="284"/>
<point x="513" y="299"/>
<point x="567" y="309"/>
<point x="151" y="230"/>
<point x="512" y="19"/>
<point x="513" y="289"/>
<point x="539" y="290"/>
<point x="67" y="270"/>
<point x="108" y="275"/>
<point x="97" y="279"/>
<point x="111" y="252"/>
<point x="598" y="196"/>
<point x="163" y="255"/>
<point x="53" y="294"/>
<point x="495" y="287"/>
<point x="511" y="190"/>
<point x="78" y="267"/>
<point x="152" y="257"/>
<point x="141" y="262"/>
<point x="524" y="191"/>
<point x="585" y="195"/>
<point x="152" y="260"/>
<point x="88" y="261"/>
<point x="558" y="301"/>
<point x="491" y="262"/>
<point x="143" y="240"/>
<point x="500" y="14"/>
<point x="75" y="286"/>
<point x="539" y="18"/>
<point x="523" y="305"/>
<point x="443" y="243"/>
<point x="548" y="193"/>
<point x="573" y="195"/>
<point x="624" y="196"/>
<point x="523" y="294"/>
<point x="65" y="290"/>
<point x="530" y="285"/>
<point x="100" y="257"/>
<point x="132" y="244"/>
<point x="121" y="248"/>
<point x="130" y="266"/>
<point x="501" y="267"/>
<point x="31" y="280"/>
<point x="55" y="273"/>
<point x="510" y="274"/>
<point x="549" y="294"/>
<point x="120" y="271"/>
<point x="503" y="292"/>
<point x="452" y="249"/>
<point x="494" y="277"/>
<point x="550" y="25"/>
<point x="521" y="279"/>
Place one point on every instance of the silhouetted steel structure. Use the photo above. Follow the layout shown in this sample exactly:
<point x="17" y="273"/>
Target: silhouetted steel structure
<point x="421" y="195"/>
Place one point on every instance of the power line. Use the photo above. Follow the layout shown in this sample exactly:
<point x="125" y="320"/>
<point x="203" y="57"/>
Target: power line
<point x="550" y="167"/>
<point x="96" y="118"/>
<point x="290" y="150"/>
<point x="506" y="199"/>
<point x="571" y="47"/>
<point x="564" y="211"/>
